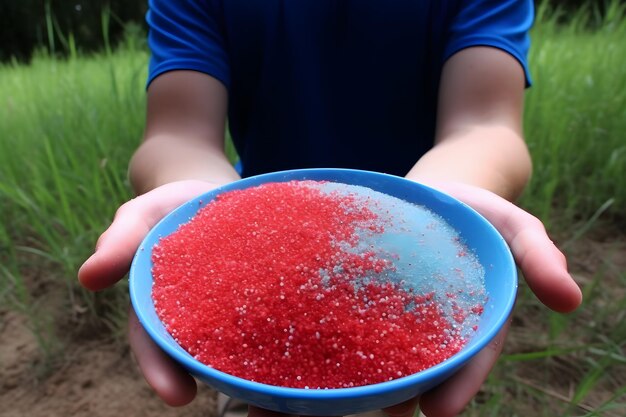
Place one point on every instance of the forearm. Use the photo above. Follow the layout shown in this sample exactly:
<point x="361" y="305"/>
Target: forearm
<point x="162" y="159"/>
<point x="479" y="124"/>
<point x="184" y="136"/>
<point x="491" y="157"/>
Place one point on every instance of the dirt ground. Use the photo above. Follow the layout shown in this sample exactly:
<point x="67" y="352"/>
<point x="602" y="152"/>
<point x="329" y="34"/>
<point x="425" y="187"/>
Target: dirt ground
<point x="97" y="377"/>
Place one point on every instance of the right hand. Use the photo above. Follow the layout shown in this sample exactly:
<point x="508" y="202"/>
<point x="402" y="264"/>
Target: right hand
<point x="111" y="261"/>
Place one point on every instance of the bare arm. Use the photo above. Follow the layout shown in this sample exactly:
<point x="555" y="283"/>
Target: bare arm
<point x="479" y="156"/>
<point x="184" y="136"/>
<point x="479" y="129"/>
<point x="182" y="155"/>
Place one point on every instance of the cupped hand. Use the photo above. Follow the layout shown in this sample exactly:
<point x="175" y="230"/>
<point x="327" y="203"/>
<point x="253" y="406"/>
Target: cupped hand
<point x="545" y="270"/>
<point x="110" y="263"/>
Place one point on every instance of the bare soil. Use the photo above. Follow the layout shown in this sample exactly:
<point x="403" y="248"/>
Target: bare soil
<point x="95" y="375"/>
<point x="95" y="378"/>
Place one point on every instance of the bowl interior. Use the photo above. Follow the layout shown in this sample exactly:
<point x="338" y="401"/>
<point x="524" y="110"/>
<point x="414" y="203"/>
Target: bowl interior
<point x="478" y="234"/>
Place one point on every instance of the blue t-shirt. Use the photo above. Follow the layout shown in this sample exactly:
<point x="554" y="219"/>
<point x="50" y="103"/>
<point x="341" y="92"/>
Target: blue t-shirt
<point x="330" y="83"/>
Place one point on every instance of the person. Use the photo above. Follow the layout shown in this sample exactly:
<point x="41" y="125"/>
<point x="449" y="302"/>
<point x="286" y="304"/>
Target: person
<point x="430" y="90"/>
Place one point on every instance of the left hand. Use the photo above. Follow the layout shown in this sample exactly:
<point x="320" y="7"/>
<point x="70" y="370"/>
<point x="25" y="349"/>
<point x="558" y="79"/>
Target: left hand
<point x="543" y="266"/>
<point x="545" y="270"/>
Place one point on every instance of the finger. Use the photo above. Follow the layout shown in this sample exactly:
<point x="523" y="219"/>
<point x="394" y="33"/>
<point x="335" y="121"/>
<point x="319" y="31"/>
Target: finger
<point x="405" y="409"/>
<point x="168" y="379"/>
<point x="543" y="265"/>
<point x="545" y="270"/>
<point x="451" y="397"/>
<point x="117" y="245"/>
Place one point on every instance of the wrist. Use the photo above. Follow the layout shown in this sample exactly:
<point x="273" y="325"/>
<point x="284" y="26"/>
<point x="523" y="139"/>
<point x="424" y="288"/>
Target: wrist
<point x="158" y="162"/>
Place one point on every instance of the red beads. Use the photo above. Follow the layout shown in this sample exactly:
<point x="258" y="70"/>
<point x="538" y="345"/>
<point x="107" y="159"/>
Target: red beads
<point x="267" y="284"/>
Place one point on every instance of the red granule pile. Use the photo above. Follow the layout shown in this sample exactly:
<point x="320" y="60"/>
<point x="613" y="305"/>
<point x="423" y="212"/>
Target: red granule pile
<point x="265" y="284"/>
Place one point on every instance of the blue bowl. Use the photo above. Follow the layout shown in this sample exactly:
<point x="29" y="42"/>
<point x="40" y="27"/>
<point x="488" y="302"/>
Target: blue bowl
<point x="478" y="234"/>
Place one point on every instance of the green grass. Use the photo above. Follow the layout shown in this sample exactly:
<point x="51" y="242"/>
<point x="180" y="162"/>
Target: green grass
<point x="68" y="128"/>
<point x="575" y="118"/>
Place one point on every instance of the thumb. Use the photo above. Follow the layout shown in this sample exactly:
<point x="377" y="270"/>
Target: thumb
<point x="133" y="220"/>
<point x="115" y="249"/>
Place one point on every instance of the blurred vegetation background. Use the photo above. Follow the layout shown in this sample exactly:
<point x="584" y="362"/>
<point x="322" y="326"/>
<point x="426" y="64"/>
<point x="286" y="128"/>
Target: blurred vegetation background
<point x="66" y="26"/>
<point x="60" y="25"/>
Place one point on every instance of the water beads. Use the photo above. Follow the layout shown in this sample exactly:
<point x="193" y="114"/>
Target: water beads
<point x="317" y="285"/>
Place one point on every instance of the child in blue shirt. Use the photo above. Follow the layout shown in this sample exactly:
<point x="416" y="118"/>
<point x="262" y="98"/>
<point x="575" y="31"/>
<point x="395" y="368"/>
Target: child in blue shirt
<point x="429" y="90"/>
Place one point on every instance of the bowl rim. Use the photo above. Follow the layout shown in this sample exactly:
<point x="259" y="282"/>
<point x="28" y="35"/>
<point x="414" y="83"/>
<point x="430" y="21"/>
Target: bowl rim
<point x="197" y="368"/>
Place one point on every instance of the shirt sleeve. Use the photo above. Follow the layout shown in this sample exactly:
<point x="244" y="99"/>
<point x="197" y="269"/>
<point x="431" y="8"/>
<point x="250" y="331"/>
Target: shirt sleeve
<point x="501" y="24"/>
<point x="186" y="35"/>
